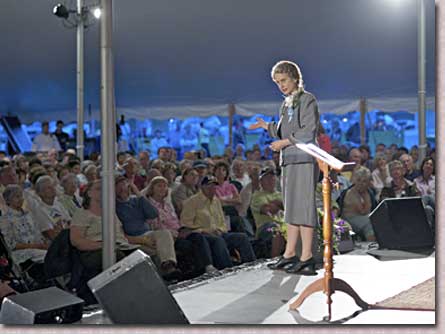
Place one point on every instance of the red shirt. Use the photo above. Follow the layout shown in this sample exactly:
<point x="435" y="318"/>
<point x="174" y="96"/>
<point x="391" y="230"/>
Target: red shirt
<point x="324" y="142"/>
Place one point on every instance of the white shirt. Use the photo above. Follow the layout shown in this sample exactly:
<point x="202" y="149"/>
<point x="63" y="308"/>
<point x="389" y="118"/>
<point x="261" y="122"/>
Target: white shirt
<point x="204" y="137"/>
<point x="44" y="143"/>
<point x="155" y="144"/>
<point x="47" y="216"/>
<point x="244" y="181"/>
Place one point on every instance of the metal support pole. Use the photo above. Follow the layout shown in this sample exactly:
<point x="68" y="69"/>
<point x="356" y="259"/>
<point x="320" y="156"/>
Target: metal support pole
<point x="108" y="142"/>
<point x="363" y="111"/>
<point x="80" y="80"/>
<point x="231" y="114"/>
<point x="421" y="51"/>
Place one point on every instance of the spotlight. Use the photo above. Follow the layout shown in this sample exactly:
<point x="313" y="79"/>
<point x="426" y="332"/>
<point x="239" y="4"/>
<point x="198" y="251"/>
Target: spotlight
<point x="97" y="12"/>
<point x="61" y="11"/>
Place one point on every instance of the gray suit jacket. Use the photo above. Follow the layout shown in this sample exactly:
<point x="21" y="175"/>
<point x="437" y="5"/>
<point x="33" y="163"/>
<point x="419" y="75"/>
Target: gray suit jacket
<point x="298" y="125"/>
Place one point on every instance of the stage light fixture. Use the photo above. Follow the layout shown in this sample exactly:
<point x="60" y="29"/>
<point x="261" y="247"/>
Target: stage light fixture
<point x="97" y="12"/>
<point x="61" y="11"/>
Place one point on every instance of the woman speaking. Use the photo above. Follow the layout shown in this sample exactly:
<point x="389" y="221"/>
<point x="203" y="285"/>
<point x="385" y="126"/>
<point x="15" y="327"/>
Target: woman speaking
<point x="298" y="123"/>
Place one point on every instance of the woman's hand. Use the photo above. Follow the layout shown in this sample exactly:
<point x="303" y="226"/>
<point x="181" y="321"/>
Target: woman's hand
<point x="278" y="145"/>
<point x="259" y="124"/>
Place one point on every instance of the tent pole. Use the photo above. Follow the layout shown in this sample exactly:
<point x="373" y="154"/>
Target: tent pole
<point x="231" y="114"/>
<point x="363" y="111"/>
<point x="421" y="61"/>
<point x="80" y="80"/>
<point x="108" y="142"/>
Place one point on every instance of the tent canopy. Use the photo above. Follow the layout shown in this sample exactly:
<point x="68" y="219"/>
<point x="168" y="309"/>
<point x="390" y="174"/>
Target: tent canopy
<point x="176" y="58"/>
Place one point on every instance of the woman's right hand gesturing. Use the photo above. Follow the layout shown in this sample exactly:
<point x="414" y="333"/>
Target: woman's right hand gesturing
<point x="259" y="124"/>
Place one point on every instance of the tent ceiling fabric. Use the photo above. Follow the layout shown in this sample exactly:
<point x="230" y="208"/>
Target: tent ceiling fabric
<point x="175" y="58"/>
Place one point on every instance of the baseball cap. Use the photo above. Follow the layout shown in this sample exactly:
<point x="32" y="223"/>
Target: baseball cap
<point x="266" y="171"/>
<point x="200" y="164"/>
<point x="207" y="180"/>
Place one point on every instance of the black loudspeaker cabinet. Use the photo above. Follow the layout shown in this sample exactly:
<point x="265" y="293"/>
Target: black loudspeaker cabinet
<point x="400" y="223"/>
<point x="45" y="306"/>
<point x="132" y="292"/>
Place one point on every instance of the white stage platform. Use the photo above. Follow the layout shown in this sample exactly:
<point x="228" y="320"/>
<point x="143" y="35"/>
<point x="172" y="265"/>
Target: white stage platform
<point x="258" y="295"/>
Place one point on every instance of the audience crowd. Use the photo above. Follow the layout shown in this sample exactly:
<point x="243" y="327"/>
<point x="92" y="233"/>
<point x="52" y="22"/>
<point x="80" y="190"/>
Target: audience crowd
<point x="194" y="216"/>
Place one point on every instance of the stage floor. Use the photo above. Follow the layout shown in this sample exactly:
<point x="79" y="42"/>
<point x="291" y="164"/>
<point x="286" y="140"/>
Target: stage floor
<point x="258" y="295"/>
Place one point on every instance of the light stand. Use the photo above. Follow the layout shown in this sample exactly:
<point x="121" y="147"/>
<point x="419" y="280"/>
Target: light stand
<point x="80" y="22"/>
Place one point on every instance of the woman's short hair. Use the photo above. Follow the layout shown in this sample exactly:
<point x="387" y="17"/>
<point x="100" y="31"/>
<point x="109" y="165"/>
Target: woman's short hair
<point x="157" y="164"/>
<point x="394" y="164"/>
<point x="377" y="158"/>
<point x="225" y="165"/>
<point x="360" y="173"/>
<point x="186" y="172"/>
<point x="167" y="166"/>
<point x="68" y="177"/>
<point x="91" y="167"/>
<point x="44" y="179"/>
<point x="424" y="161"/>
<point x="11" y="191"/>
<point x="290" y="68"/>
<point x="86" y="198"/>
<point x="185" y="162"/>
<point x="150" y="188"/>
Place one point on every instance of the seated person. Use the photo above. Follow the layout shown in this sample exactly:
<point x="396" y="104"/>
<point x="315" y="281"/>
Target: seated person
<point x="134" y="212"/>
<point x="340" y="184"/>
<point x="186" y="242"/>
<point x="86" y="231"/>
<point x="354" y="155"/>
<point x="203" y="213"/>
<point x="69" y="198"/>
<point x="409" y="169"/>
<point x="130" y="172"/>
<point x="248" y="190"/>
<point x="230" y="199"/>
<point x="47" y="211"/>
<point x="380" y="174"/>
<point x="136" y="174"/>
<point x="20" y="233"/>
<point x="187" y="188"/>
<point x="169" y="171"/>
<point x="401" y="187"/>
<point x="8" y="176"/>
<point x="426" y="182"/>
<point x="239" y="172"/>
<point x="357" y="202"/>
<point x="266" y="205"/>
<point x="90" y="172"/>
<point x="225" y="191"/>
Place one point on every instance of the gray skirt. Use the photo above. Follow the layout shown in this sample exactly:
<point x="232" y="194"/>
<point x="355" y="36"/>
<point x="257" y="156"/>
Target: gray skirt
<point x="298" y="184"/>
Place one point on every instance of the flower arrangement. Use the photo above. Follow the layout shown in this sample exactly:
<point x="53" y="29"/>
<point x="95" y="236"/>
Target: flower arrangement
<point x="280" y="228"/>
<point x="340" y="230"/>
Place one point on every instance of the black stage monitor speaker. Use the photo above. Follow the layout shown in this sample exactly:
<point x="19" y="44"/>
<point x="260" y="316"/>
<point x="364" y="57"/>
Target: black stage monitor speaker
<point x="45" y="306"/>
<point x="132" y="292"/>
<point x="400" y="223"/>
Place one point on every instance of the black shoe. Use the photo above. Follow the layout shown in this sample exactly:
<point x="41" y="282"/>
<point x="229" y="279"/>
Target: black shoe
<point x="303" y="268"/>
<point x="172" y="276"/>
<point x="283" y="262"/>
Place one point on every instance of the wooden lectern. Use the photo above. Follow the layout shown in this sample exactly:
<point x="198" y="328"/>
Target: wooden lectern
<point x="328" y="284"/>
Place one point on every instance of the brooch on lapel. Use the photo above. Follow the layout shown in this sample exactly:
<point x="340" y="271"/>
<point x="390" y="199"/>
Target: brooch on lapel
<point x="290" y="113"/>
<point x="290" y="102"/>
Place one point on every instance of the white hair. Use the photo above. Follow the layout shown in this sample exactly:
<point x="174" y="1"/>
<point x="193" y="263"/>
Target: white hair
<point x="41" y="181"/>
